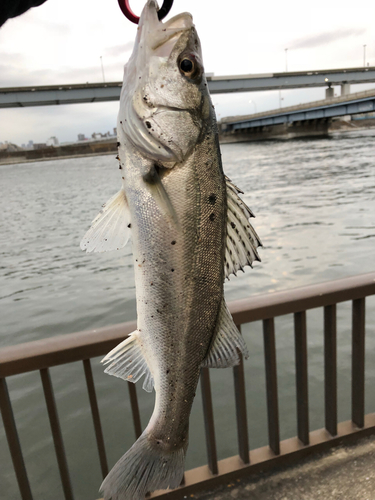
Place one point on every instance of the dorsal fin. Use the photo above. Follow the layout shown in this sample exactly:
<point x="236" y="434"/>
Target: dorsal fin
<point x="242" y="239"/>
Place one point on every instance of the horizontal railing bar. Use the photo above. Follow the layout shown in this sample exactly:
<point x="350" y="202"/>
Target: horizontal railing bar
<point x="262" y="459"/>
<point x="62" y="349"/>
<point x="259" y="307"/>
<point x="67" y="348"/>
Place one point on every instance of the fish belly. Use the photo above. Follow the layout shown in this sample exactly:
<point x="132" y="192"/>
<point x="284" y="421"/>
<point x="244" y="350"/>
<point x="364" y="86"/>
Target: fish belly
<point x="179" y="282"/>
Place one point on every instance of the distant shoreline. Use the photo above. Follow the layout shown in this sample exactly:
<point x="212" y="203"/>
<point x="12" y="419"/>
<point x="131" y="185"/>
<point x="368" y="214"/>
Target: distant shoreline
<point x="110" y="147"/>
<point x="67" y="157"/>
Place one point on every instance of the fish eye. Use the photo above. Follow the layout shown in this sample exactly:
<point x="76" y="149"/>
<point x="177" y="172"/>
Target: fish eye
<point x="186" y="66"/>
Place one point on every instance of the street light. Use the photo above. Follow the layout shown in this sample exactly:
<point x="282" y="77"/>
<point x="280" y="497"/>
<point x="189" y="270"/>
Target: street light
<point x="255" y="106"/>
<point x="101" y="62"/>
<point x="286" y="60"/>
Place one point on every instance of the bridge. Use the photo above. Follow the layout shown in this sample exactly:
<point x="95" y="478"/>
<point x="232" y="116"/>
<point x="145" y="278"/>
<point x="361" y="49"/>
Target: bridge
<point x="308" y="119"/>
<point x="48" y="95"/>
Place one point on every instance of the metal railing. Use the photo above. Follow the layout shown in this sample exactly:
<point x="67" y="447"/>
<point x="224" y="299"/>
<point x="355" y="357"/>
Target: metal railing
<point x="81" y="347"/>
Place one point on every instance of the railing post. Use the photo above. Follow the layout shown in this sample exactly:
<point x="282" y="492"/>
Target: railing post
<point x="271" y="385"/>
<point x="300" y="343"/>
<point x="95" y="416"/>
<point x="241" y="413"/>
<point x="135" y="409"/>
<point x="14" y="442"/>
<point x="330" y="369"/>
<point x="358" y="363"/>
<point x="56" y="433"/>
<point x="209" y="420"/>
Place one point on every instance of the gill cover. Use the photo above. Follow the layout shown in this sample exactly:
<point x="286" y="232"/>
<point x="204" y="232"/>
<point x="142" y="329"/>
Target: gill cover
<point x="161" y="100"/>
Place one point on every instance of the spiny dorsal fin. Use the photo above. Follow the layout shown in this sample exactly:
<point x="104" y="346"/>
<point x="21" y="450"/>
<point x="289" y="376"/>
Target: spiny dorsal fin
<point x="127" y="361"/>
<point x="223" y="352"/>
<point x="242" y="240"/>
<point x="110" y="230"/>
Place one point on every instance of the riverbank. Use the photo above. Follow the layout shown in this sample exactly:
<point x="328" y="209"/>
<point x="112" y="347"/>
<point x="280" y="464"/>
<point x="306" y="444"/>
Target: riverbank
<point x="75" y="150"/>
<point x="83" y="150"/>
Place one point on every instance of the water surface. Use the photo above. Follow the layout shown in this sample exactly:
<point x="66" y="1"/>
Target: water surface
<point x="314" y="202"/>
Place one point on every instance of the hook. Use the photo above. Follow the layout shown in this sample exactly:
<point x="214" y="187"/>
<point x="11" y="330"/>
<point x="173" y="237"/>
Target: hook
<point x="126" y="10"/>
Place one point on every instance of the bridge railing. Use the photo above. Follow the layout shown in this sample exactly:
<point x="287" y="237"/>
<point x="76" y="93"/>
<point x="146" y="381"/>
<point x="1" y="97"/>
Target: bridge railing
<point x="81" y="347"/>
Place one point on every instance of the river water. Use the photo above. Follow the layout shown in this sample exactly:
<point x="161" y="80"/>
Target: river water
<point x="314" y="202"/>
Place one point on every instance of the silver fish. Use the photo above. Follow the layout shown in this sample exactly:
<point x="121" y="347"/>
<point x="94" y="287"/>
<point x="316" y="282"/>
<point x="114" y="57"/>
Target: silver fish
<point x="189" y="230"/>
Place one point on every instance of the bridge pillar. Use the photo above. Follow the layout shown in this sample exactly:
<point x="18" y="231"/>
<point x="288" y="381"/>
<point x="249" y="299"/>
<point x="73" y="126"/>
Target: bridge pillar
<point x="345" y="88"/>
<point x="330" y="93"/>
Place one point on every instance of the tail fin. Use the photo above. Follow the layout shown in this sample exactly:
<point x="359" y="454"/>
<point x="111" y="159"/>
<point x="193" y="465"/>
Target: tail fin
<point x="146" y="467"/>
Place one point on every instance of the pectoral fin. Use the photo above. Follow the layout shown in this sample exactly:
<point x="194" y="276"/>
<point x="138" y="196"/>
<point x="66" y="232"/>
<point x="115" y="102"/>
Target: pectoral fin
<point x="160" y="195"/>
<point x="110" y="230"/>
<point x="242" y="240"/>
<point x="127" y="361"/>
<point x="224" y="348"/>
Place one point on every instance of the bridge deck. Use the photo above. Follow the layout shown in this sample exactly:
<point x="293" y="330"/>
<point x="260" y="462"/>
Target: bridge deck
<point x="360" y="102"/>
<point x="98" y="92"/>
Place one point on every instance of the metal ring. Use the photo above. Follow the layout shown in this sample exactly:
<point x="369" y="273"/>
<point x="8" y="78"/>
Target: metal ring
<point x="126" y="10"/>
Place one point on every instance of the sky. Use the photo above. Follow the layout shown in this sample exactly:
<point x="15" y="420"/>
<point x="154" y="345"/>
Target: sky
<point x="65" y="41"/>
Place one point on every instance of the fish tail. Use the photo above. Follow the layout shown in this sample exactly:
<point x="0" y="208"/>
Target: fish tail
<point x="144" y="468"/>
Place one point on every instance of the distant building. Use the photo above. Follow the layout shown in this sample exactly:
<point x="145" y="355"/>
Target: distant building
<point x="96" y="135"/>
<point x="41" y="145"/>
<point x="30" y="145"/>
<point x="52" y="141"/>
<point x="115" y="131"/>
<point x="81" y="137"/>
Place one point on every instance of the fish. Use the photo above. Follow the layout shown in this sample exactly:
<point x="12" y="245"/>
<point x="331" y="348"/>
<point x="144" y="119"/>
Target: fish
<point x="190" y="231"/>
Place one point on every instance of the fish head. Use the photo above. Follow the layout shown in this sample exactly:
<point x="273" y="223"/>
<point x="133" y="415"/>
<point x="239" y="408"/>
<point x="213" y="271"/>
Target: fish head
<point x="164" y="100"/>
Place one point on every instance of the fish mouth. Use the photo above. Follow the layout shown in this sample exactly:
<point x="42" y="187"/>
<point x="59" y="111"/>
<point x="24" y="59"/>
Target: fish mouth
<point x="158" y="36"/>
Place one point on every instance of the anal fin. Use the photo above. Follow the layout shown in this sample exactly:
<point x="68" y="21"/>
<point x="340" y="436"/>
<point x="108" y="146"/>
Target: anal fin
<point x="127" y="361"/>
<point x="224" y="348"/>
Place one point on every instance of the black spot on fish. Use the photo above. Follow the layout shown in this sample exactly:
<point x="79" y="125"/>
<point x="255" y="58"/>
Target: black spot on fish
<point x="233" y="224"/>
<point x="148" y="124"/>
<point x="129" y="226"/>
<point x="167" y="371"/>
<point x="212" y="198"/>
<point x="118" y="144"/>
<point x="212" y="217"/>
<point x="120" y="167"/>
<point x="173" y="242"/>
<point x="172" y="270"/>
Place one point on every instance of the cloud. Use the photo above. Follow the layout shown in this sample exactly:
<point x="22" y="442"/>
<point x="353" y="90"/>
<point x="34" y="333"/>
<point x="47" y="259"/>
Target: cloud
<point x="310" y="42"/>
<point x="14" y="75"/>
<point x="119" y="50"/>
